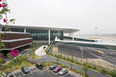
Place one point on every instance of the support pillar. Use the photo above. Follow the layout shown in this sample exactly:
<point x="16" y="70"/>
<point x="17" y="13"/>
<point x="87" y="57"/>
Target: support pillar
<point x="24" y="30"/>
<point x="71" y="35"/>
<point x="49" y="36"/>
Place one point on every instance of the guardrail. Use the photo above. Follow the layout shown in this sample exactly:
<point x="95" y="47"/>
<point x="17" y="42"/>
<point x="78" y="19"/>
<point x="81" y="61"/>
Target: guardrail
<point x="50" y="48"/>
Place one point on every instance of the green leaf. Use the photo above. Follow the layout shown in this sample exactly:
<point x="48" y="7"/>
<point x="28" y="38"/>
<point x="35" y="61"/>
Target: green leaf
<point x="4" y="10"/>
<point x="1" y="16"/>
<point x="4" y="3"/>
<point x="11" y="20"/>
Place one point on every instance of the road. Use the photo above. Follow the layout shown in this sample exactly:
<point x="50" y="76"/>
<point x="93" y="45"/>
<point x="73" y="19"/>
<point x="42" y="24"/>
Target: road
<point x="49" y="58"/>
<point x="89" y="53"/>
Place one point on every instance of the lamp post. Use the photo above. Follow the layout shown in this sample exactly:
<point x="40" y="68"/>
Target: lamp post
<point x="96" y="31"/>
<point x="34" y="49"/>
<point x="82" y="55"/>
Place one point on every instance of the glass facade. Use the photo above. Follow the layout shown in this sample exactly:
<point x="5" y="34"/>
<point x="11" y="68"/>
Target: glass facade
<point x="79" y="39"/>
<point x="88" y="45"/>
<point x="42" y="35"/>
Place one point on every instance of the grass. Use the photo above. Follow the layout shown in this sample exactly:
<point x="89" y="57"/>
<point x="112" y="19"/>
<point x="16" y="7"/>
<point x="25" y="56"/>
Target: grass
<point x="33" y="55"/>
<point x="46" y="50"/>
<point x="16" y="64"/>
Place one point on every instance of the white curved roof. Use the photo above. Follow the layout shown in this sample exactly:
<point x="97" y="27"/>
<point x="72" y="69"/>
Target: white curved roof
<point x="65" y="30"/>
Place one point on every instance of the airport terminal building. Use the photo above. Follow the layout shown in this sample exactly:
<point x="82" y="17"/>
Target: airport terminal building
<point x="48" y="35"/>
<point x="37" y="33"/>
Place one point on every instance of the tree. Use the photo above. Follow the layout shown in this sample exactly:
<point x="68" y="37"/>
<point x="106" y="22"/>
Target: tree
<point x="85" y="69"/>
<point x="71" y="66"/>
<point x="9" y="55"/>
<point x="57" y="59"/>
<point x="4" y="10"/>
<point x="0" y="63"/>
<point x="2" y="58"/>
<point x="33" y="49"/>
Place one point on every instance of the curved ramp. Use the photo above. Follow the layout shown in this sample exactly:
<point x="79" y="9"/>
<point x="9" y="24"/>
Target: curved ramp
<point x="40" y="51"/>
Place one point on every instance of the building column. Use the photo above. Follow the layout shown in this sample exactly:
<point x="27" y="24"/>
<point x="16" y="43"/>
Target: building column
<point x="49" y="36"/>
<point x="24" y="30"/>
<point x="71" y="35"/>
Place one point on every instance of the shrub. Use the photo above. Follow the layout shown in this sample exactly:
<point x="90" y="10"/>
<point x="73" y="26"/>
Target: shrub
<point x="85" y="68"/>
<point x="60" y="56"/>
<point x="3" y="61"/>
<point x="104" y="71"/>
<point x="64" y="66"/>
<point x="86" y="75"/>
<point x="94" y="67"/>
<point x="43" y="64"/>
<point x="77" y="62"/>
<point x="64" y="58"/>
<point x="72" y="60"/>
<point x="89" y="66"/>
<point x="68" y="59"/>
<point x="51" y="54"/>
<point x="54" y="55"/>
<point x="77" y="71"/>
<point x="57" y="56"/>
<point x="112" y="73"/>
<point x="73" y="69"/>
<point x="47" y="53"/>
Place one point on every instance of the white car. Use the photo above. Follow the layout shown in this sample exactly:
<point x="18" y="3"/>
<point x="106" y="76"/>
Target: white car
<point x="63" y="71"/>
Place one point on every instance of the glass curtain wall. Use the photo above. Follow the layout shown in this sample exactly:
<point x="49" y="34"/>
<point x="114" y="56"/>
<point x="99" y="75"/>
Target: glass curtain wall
<point x="58" y="34"/>
<point x="40" y="35"/>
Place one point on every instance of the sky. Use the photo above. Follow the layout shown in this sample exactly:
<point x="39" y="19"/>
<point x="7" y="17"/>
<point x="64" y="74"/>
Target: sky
<point x="85" y="15"/>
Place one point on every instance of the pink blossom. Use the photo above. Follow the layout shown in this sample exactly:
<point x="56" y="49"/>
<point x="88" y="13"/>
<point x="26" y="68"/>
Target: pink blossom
<point x="17" y="51"/>
<point x="2" y="56"/>
<point x="0" y="69"/>
<point x="4" y="20"/>
<point x="0" y="5"/>
<point x="0" y="0"/>
<point x="4" y="6"/>
<point x="14" y="53"/>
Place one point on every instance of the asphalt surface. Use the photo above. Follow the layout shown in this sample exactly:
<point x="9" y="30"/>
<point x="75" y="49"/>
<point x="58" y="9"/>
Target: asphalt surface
<point x="35" y="72"/>
<point x="75" y="51"/>
<point x="89" y="53"/>
<point x="49" y="58"/>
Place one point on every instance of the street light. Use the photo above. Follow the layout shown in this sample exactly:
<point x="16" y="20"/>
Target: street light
<point x="96" y="31"/>
<point x="82" y="55"/>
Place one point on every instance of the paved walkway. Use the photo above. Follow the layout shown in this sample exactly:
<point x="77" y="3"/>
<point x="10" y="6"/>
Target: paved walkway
<point x="49" y="58"/>
<point x="40" y="50"/>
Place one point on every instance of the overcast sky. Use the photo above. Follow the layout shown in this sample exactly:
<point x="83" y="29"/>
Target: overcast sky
<point x="85" y="15"/>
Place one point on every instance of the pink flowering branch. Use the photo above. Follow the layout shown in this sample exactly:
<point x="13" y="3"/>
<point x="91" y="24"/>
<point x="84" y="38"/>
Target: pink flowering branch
<point x="2" y="56"/>
<point x="14" y="53"/>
